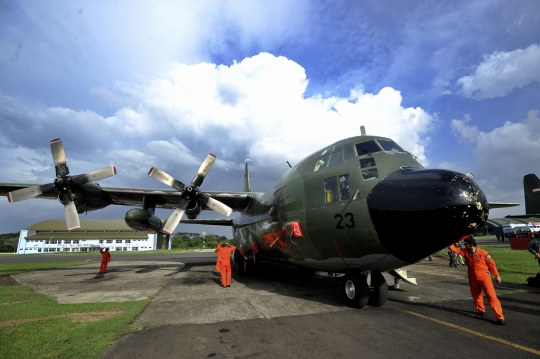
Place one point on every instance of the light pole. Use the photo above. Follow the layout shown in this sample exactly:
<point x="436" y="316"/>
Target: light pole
<point x="203" y="239"/>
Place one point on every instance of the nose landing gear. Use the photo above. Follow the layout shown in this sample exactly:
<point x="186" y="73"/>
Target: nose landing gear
<point x="358" y="293"/>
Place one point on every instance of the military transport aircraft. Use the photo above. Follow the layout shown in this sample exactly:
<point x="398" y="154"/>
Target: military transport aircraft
<point x="360" y="206"/>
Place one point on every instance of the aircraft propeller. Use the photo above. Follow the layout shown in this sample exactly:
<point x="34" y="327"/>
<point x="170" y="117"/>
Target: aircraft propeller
<point x="189" y="194"/>
<point x="62" y="184"/>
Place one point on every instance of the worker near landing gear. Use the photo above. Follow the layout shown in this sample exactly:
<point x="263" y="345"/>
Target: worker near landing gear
<point x="105" y="259"/>
<point x="218" y="261"/>
<point x="481" y="267"/>
<point x="226" y="250"/>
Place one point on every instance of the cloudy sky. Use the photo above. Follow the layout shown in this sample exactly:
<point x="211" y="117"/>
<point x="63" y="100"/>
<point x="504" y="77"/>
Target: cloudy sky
<point x="138" y="84"/>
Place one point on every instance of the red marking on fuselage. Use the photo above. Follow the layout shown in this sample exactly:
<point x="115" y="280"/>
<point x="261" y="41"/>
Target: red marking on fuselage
<point x="337" y="249"/>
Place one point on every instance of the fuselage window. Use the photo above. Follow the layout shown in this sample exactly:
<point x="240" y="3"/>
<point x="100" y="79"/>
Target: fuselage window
<point x="330" y="190"/>
<point x="367" y="147"/>
<point x="335" y="159"/>
<point x="348" y="153"/>
<point x="321" y="163"/>
<point x="370" y="174"/>
<point x="389" y="145"/>
<point x="344" y="191"/>
<point x="367" y="162"/>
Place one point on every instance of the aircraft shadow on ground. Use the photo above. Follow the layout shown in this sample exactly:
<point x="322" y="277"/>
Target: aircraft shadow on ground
<point x="280" y="279"/>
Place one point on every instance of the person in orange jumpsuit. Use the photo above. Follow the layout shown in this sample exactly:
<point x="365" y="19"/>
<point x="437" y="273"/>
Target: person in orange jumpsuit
<point x="225" y="253"/>
<point x="105" y="259"/>
<point x="218" y="262"/>
<point x="481" y="267"/>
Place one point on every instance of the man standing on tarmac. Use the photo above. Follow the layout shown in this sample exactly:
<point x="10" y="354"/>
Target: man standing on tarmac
<point x="481" y="267"/>
<point x="105" y="259"/>
<point x="534" y="246"/>
<point x="225" y="251"/>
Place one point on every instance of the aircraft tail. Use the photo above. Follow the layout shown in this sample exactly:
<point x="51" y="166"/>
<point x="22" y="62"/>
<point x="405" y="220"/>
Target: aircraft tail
<point x="531" y="187"/>
<point x="247" y="181"/>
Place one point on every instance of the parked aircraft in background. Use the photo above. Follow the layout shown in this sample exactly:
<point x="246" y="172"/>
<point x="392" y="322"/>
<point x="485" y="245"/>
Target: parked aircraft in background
<point x="531" y="189"/>
<point x="359" y="206"/>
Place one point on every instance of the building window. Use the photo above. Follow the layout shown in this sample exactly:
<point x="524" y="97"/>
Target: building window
<point x="47" y="242"/>
<point x="67" y="241"/>
<point x="66" y="249"/>
<point x="125" y="248"/>
<point x="75" y="241"/>
<point x="118" y="248"/>
<point x="128" y="241"/>
<point x="101" y="241"/>
<point x="135" y="248"/>
<point x="109" y="240"/>
<point x="39" y="250"/>
<point x="118" y="241"/>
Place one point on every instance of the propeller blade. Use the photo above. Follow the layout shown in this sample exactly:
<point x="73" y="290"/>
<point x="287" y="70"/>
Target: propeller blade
<point x="173" y="221"/>
<point x="29" y="192"/>
<point x="216" y="205"/>
<point x="96" y="175"/>
<point x="59" y="157"/>
<point x="204" y="169"/>
<point x="72" y="217"/>
<point x="165" y="178"/>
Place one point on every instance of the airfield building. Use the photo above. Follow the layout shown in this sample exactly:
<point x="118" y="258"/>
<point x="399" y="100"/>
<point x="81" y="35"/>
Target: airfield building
<point x="52" y="236"/>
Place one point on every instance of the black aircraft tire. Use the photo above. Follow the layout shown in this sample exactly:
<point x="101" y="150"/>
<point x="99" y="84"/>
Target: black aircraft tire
<point x="356" y="290"/>
<point x="238" y="268"/>
<point x="378" y="293"/>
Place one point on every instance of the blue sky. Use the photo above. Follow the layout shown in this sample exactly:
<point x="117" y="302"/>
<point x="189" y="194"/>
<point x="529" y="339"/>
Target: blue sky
<point x="139" y="84"/>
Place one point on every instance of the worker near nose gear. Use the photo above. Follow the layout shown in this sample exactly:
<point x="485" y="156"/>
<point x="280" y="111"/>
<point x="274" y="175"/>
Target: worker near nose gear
<point x="481" y="267"/>
<point x="226" y="251"/>
<point x="105" y="259"/>
<point x="218" y="261"/>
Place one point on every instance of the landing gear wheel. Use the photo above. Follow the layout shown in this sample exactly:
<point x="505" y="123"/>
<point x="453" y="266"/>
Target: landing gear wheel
<point x="378" y="293"/>
<point x="356" y="290"/>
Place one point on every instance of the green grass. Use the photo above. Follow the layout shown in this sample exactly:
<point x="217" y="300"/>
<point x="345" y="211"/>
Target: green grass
<point x="30" y="267"/>
<point x="514" y="266"/>
<point x="58" y="337"/>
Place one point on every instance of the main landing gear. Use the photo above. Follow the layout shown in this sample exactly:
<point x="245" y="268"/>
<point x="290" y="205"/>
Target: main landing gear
<point x="358" y="293"/>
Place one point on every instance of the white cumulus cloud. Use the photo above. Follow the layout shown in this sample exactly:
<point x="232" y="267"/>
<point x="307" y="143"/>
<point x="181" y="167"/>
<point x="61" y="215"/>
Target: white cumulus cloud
<point x="501" y="72"/>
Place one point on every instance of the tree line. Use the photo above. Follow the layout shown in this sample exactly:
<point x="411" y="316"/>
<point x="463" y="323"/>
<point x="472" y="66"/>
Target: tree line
<point x="9" y="242"/>
<point x="187" y="240"/>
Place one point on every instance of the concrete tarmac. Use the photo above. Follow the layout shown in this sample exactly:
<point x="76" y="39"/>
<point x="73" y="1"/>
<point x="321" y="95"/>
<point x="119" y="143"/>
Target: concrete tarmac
<point x="285" y="312"/>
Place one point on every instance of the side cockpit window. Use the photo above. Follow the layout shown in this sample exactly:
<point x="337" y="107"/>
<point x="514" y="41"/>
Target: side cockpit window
<point x="369" y="172"/>
<point x="390" y="146"/>
<point x="337" y="189"/>
<point x="367" y="148"/>
<point x="335" y="159"/>
<point x="321" y="163"/>
<point x="348" y="153"/>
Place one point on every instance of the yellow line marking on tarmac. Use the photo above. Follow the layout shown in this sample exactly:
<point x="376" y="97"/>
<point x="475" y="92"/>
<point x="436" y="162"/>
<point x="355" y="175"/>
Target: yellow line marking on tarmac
<point x="527" y="349"/>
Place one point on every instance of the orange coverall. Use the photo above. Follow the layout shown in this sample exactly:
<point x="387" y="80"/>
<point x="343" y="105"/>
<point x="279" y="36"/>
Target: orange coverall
<point x="218" y="262"/>
<point x="225" y="255"/>
<point x="105" y="259"/>
<point x="481" y="266"/>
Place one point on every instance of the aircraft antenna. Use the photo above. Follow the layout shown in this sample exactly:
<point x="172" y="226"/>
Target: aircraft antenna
<point x="362" y="130"/>
<point x="247" y="181"/>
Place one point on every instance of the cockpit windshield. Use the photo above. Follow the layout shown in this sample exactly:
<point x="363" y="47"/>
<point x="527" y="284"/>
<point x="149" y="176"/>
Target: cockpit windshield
<point x="367" y="147"/>
<point x="390" y="146"/>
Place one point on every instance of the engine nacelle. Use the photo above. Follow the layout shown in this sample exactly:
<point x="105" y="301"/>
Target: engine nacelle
<point x="143" y="221"/>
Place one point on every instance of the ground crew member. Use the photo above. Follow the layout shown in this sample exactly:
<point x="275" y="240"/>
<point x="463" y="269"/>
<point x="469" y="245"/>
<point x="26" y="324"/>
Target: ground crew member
<point x="481" y="267"/>
<point x="226" y="250"/>
<point x="534" y="246"/>
<point x="105" y="259"/>
<point x="218" y="261"/>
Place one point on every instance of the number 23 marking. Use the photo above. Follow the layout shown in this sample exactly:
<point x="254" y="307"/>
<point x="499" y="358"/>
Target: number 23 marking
<point x="350" y="223"/>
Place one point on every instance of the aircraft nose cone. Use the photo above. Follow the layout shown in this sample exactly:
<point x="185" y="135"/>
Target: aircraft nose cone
<point x="419" y="212"/>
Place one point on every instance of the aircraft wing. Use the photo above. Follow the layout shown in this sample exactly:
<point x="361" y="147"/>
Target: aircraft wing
<point x="238" y="201"/>
<point x="493" y="205"/>
<point x="166" y="198"/>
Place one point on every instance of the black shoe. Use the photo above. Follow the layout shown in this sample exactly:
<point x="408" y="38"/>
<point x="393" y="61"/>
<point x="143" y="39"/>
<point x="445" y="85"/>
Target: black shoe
<point x="481" y="314"/>
<point x="501" y="322"/>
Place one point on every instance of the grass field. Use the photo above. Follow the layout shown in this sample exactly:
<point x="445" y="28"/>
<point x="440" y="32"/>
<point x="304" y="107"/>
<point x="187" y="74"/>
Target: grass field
<point x="514" y="266"/>
<point x="30" y="267"/>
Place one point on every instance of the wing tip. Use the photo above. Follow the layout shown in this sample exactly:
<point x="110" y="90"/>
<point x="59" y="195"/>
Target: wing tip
<point x="150" y="172"/>
<point x="114" y="170"/>
<point x="10" y="200"/>
<point x="74" y="229"/>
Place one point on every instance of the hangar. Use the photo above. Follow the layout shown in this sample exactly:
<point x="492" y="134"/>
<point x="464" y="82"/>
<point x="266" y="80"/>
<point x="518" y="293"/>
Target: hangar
<point x="52" y="236"/>
<point x="494" y="226"/>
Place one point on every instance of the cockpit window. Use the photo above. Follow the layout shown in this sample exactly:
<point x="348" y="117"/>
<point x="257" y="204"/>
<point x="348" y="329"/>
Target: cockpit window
<point x="370" y="174"/>
<point x="330" y="190"/>
<point x="348" y="153"/>
<point x="344" y="191"/>
<point x="326" y="151"/>
<point x="389" y="145"/>
<point x="367" y="162"/>
<point x="321" y="163"/>
<point x="367" y="147"/>
<point x="335" y="159"/>
<point x="337" y="147"/>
